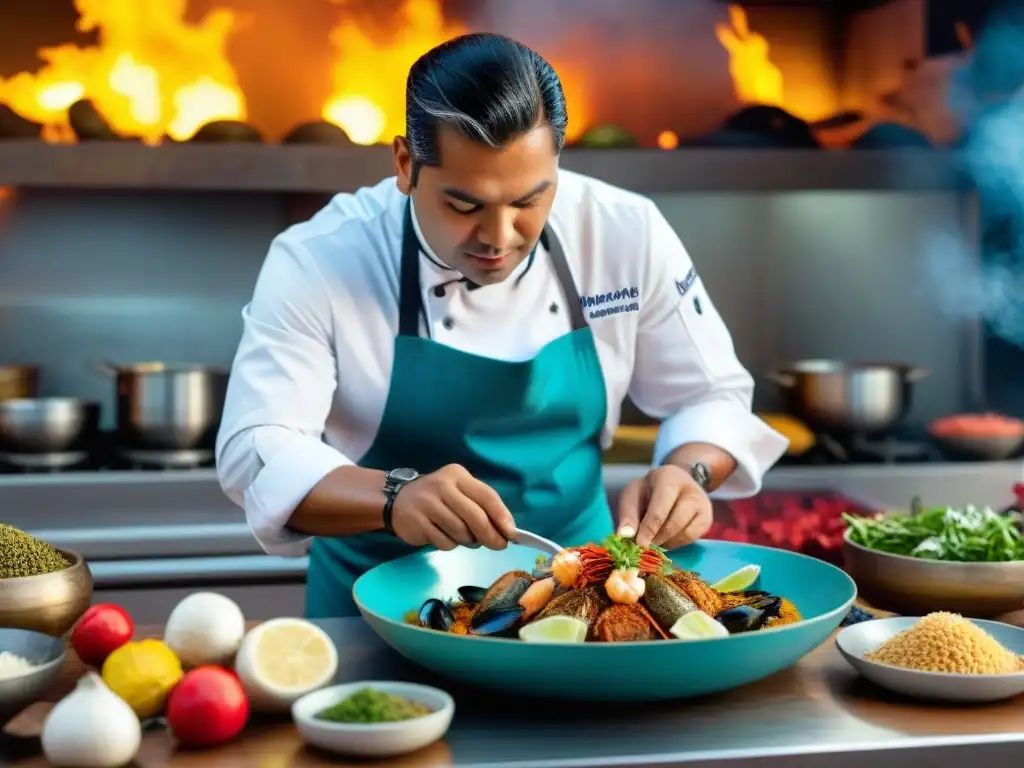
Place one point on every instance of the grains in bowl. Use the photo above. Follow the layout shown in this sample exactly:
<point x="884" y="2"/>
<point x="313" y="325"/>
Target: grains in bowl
<point x="947" y="642"/>
<point x="22" y="554"/>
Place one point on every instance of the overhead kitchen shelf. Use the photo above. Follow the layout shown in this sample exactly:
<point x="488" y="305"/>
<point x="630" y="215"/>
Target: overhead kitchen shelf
<point x="321" y="169"/>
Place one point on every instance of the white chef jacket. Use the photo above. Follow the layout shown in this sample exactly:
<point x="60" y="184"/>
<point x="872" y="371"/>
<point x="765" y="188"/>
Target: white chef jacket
<point x="310" y="379"/>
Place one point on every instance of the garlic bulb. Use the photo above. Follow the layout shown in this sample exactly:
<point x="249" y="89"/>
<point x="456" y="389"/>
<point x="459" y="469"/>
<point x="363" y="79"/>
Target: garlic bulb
<point x="91" y="728"/>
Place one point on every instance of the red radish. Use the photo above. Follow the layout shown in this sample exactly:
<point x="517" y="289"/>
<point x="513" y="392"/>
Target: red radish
<point x="208" y="707"/>
<point x="101" y="630"/>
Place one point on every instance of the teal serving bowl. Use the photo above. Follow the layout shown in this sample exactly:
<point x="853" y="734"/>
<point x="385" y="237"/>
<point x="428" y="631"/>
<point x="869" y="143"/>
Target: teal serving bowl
<point x="632" y="671"/>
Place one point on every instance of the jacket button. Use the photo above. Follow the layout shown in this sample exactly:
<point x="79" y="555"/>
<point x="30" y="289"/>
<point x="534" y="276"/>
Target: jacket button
<point x="439" y="291"/>
<point x="553" y="309"/>
<point x="448" y="323"/>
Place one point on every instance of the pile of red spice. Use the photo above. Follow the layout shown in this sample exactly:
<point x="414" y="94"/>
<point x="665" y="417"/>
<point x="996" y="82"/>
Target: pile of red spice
<point x="809" y="522"/>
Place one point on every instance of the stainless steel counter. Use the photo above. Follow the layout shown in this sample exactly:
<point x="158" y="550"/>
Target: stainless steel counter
<point x="815" y="714"/>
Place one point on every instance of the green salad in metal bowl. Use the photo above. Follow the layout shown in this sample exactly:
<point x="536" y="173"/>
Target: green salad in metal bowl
<point x="951" y="534"/>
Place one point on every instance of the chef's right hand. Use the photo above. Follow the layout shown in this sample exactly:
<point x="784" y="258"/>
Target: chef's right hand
<point x="448" y="508"/>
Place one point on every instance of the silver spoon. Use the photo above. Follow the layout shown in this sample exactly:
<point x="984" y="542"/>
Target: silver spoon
<point x="528" y="539"/>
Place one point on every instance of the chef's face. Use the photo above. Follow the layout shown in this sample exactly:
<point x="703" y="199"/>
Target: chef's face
<point x="482" y="210"/>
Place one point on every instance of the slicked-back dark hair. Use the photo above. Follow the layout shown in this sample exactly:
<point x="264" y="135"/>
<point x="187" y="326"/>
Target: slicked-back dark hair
<point x="488" y="87"/>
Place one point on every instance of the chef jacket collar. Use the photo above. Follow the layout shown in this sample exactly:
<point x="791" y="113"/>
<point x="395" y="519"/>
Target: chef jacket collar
<point x="435" y="272"/>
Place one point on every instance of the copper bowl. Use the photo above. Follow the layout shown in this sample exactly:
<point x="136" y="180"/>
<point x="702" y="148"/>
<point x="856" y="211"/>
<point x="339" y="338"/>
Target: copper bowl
<point x="49" y="603"/>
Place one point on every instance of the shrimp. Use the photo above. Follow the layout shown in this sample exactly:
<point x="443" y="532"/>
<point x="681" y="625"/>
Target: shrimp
<point x="625" y="586"/>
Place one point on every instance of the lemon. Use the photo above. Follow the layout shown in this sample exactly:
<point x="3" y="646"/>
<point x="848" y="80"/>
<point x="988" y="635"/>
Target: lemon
<point x="697" y="625"/>
<point x="737" y="581"/>
<point x="282" y="660"/>
<point x="142" y="674"/>
<point x="555" y="629"/>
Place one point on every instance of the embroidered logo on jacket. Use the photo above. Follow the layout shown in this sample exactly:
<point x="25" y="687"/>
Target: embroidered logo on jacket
<point x="599" y="303"/>
<point x="684" y="285"/>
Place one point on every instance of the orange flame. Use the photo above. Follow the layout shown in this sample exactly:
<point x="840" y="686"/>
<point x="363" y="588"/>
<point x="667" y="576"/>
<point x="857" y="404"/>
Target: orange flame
<point x="756" y="79"/>
<point x="150" y="75"/>
<point x="369" y="74"/>
<point x="668" y="140"/>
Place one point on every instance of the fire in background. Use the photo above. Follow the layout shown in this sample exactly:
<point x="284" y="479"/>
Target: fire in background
<point x="164" y="68"/>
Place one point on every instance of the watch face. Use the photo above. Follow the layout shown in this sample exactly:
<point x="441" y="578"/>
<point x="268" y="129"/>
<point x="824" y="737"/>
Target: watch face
<point x="403" y="475"/>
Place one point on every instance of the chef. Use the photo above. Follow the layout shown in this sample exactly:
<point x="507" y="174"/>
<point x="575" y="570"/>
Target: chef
<point x="441" y="358"/>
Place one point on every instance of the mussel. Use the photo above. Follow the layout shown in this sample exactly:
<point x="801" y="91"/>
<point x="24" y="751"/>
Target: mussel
<point x="494" y="621"/>
<point x="754" y="615"/>
<point x="435" y="614"/>
<point x="472" y="595"/>
<point x="505" y="592"/>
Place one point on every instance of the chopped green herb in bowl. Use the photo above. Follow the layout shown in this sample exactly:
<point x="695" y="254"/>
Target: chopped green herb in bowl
<point x="368" y="705"/>
<point x="964" y="535"/>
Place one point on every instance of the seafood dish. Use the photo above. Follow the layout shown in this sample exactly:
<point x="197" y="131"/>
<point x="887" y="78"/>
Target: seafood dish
<point x="616" y="591"/>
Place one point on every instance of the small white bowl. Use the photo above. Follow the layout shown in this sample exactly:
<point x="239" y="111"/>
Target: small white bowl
<point x="859" y="639"/>
<point x="374" y="739"/>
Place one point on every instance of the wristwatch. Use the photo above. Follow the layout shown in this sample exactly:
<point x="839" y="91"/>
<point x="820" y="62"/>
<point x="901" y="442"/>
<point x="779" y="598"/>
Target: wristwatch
<point x="700" y="472"/>
<point x="393" y="482"/>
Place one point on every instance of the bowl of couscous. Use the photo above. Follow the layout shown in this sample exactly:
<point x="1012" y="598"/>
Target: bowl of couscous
<point x="942" y="657"/>
<point x="42" y="588"/>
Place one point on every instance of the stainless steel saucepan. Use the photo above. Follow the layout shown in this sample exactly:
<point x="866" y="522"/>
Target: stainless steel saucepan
<point x="167" y="407"/>
<point x="848" y="397"/>
<point x="47" y="425"/>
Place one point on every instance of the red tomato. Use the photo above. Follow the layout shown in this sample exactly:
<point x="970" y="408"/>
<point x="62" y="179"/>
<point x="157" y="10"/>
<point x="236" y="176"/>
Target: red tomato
<point x="103" y="629"/>
<point x="207" y="707"/>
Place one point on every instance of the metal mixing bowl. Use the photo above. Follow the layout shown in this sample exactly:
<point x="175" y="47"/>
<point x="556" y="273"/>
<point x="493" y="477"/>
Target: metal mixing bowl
<point x="47" y="425"/>
<point x="49" y="603"/>
<point x="46" y="652"/>
<point x="913" y="587"/>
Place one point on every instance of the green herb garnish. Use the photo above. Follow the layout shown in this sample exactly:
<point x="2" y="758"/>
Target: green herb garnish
<point x="369" y="706"/>
<point x="626" y="553"/>
<point x="967" y="535"/>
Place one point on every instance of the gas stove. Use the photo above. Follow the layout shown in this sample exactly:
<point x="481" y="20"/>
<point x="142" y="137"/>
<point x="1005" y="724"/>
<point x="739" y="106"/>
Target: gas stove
<point x="907" y="445"/>
<point x="105" y="455"/>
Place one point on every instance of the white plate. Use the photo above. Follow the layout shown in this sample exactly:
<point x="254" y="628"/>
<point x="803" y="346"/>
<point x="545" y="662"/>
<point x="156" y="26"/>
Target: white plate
<point x="858" y="639"/>
<point x="374" y="739"/>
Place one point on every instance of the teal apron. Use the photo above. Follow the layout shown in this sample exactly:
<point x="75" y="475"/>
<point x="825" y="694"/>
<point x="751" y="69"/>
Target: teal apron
<point x="531" y="430"/>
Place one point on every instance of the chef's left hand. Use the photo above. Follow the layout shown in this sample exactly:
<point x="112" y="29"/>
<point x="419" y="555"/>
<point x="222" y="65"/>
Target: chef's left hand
<point x="666" y="507"/>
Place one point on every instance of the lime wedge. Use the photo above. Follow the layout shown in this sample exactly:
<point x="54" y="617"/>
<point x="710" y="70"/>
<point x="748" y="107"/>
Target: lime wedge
<point x="739" y="580"/>
<point x="554" y="629"/>
<point x="697" y="625"/>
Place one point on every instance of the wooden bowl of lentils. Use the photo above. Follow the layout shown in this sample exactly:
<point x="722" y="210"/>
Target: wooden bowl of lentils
<point x="42" y="588"/>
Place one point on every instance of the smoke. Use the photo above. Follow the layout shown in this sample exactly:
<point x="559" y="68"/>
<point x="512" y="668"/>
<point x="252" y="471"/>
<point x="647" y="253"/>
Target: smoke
<point x="989" y="95"/>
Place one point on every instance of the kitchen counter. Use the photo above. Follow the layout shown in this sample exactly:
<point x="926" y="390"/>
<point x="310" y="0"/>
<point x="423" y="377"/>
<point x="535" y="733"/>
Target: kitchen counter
<point x="816" y="711"/>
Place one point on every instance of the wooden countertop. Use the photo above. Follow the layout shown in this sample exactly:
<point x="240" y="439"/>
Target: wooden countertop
<point x="821" y="683"/>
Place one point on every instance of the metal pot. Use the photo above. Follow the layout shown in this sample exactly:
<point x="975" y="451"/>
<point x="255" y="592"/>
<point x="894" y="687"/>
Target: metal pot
<point x="18" y="382"/>
<point x="47" y="425"/>
<point x="165" y="407"/>
<point x="838" y="397"/>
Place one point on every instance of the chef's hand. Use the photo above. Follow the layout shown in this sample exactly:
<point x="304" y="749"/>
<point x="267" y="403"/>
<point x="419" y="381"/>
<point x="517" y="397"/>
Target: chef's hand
<point x="448" y="508"/>
<point x="666" y="507"/>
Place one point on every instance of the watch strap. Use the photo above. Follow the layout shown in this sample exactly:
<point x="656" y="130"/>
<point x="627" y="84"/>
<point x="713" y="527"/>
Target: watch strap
<point x="701" y="474"/>
<point x="389" y="504"/>
<point x="392" y="485"/>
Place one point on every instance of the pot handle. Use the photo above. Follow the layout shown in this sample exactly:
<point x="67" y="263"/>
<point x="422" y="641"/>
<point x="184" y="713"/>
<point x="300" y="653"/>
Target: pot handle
<point x="104" y="367"/>
<point x="782" y="379"/>
<point x="916" y="374"/>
